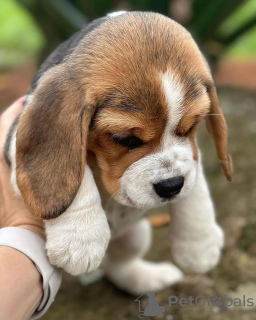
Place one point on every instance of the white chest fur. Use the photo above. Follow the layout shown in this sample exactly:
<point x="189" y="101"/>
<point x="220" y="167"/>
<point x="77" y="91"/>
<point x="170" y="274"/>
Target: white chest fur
<point x="121" y="217"/>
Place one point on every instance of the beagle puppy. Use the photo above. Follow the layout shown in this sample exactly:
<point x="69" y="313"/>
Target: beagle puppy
<point x="108" y="132"/>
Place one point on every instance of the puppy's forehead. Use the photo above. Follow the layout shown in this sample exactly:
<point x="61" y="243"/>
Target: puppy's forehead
<point x="135" y="47"/>
<point x="141" y="59"/>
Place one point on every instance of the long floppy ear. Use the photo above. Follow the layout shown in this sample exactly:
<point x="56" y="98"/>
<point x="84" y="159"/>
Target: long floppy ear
<point x="51" y="144"/>
<point x="217" y="128"/>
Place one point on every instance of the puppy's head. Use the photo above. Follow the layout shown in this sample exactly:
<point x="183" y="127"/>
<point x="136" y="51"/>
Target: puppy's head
<point x="132" y="93"/>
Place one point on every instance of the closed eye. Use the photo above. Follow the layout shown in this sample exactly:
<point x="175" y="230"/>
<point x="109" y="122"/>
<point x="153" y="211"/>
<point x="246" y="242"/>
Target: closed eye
<point x="194" y="125"/>
<point x="131" y="142"/>
<point x="190" y="129"/>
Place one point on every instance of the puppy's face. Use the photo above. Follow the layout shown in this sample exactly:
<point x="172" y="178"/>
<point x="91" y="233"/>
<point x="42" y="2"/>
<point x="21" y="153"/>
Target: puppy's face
<point x="144" y="138"/>
<point x="132" y="93"/>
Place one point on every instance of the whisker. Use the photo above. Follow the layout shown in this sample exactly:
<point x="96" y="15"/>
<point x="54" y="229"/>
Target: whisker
<point x="213" y="114"/>
<point x="114" y="194"/>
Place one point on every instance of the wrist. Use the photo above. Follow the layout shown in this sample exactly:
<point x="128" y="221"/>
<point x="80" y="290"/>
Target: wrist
<point x="39" y="230"/>
<point x="14" y="265"/>
<point x="33" y="225"/>
<point x="33" y="246"/>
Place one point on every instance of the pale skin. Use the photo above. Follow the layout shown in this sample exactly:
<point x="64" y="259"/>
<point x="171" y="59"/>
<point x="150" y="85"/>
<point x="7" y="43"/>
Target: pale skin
<point x="20" y="282"/>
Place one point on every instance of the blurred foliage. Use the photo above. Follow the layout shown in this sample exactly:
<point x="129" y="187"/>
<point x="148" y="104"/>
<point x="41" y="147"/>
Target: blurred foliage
<point x="20" y="37"/>
<point x="243" y="47"/>
<point x="219" y="26"/>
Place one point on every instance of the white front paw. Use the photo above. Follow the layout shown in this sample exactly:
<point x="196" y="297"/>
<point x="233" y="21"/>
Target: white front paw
<point x="77" y="245"/>
<point x="139" y="276"/>
<point x="201" y="253"/>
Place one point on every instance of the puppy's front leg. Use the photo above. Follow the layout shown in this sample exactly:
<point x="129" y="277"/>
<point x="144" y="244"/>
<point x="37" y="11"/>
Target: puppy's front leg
<point x="196" y="238"/>
<point x="77" y="240"/>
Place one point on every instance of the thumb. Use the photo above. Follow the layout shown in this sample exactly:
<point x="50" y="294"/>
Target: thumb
<point x="6" y="120"/>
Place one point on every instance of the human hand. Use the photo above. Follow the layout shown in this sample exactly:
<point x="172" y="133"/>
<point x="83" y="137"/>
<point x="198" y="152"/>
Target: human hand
<point x="13" y="212"/>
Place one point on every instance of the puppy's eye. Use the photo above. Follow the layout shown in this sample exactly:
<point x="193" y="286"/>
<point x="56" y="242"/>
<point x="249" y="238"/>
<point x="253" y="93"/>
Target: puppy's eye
<point x="130" y="142"/>
<point x="190" y="129"/>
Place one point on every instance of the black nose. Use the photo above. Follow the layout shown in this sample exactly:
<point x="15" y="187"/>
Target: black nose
<point x="169" y="188"/>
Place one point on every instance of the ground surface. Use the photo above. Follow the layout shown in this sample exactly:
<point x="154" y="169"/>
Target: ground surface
<point x="236" y="209"/>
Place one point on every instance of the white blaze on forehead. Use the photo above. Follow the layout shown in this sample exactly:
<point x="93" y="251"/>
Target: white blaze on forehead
<point x="174" y="95"/>
<point x="173" y="91"/>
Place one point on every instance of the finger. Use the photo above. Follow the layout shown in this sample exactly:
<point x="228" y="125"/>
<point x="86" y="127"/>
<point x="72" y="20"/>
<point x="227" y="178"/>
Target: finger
<point x="7" y="118"/>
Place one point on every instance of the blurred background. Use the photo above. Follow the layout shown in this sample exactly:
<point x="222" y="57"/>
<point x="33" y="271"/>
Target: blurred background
<point x="226" y="33"/>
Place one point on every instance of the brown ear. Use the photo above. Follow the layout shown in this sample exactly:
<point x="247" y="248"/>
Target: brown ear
<point x="217" y="128"/>
<point x="51" y="144"/>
